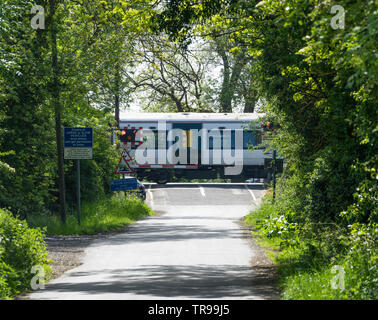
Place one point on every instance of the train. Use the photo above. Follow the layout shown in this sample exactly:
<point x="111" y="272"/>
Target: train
<point x="173" y="146"/>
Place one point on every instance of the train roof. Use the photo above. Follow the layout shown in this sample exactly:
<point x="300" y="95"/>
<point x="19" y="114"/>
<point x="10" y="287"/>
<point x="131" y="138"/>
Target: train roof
<point x="188" y="116"/>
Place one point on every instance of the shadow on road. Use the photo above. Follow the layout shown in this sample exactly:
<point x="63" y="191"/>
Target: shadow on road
<point x="195" y="282"/>
<point x="155" y="231"/>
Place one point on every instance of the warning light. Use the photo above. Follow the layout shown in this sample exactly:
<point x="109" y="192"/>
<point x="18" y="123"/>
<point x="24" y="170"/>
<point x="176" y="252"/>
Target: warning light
<point x="128" y="135"/>
<point x="270" y="126"/>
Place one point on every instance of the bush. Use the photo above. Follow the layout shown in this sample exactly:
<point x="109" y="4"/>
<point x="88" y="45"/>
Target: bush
<point x="309" y="251"/>
<point x="21" y="248"/>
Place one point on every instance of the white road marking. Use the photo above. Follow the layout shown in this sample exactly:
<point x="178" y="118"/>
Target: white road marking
<point x="236" y="192"/>
<point x="202" y="190"/>
<point x="251" y="192"/>
<point x="151" y="195"/>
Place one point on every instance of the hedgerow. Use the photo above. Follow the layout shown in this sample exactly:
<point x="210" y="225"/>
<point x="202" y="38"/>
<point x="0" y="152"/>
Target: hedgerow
<point x="21" y="248"/>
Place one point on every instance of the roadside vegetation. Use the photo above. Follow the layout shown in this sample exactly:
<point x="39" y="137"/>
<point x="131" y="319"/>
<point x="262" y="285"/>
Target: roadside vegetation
<point x="315" y="261"/>
<point x="21" y="249"/>
<point x="107" y="214"/>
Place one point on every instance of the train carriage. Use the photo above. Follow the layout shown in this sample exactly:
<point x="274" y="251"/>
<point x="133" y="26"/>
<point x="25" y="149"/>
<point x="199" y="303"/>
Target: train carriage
<point x="195" y="145"/>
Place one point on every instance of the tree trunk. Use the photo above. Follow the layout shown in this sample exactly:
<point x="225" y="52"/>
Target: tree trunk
<point x="231" y="75"/>
<point x="116" y="95"/>
<point x="116" y="103"/>
<point x="58" y="111"/>
<point x="225" y="97"/>
<point x="249" y="104"/>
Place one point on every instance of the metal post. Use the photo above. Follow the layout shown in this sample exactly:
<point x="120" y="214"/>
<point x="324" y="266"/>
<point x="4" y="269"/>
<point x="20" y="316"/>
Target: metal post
<point x="123" y="177"/>
<point x="274" y="174"/>
<point x="78" y="192"/>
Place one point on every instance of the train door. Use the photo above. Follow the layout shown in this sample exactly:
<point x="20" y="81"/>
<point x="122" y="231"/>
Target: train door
<point x="188" y="140"/>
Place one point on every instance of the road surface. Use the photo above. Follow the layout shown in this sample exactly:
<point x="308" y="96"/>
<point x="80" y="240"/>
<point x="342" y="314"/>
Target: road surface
<point x="194" y="248"/>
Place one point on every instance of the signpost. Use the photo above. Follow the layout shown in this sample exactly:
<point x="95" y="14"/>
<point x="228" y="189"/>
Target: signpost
<point x="78" y="144"/>
<point x="128" y="183"/>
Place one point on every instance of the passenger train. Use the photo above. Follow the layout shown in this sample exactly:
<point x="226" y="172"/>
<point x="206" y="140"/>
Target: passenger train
<point x="195" y="145"/>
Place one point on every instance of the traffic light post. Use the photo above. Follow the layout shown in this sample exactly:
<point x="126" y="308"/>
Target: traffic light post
<point x="127" y="136"/>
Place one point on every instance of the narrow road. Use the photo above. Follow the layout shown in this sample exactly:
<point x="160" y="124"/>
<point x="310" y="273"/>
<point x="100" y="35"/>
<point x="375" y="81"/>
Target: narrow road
<point x="194" y="248"/>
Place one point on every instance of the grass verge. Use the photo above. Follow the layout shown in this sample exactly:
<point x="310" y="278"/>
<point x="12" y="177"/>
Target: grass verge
<point x="103" y="215"/>
<point x="306" y="272"/>
<point x="254" y="221"/>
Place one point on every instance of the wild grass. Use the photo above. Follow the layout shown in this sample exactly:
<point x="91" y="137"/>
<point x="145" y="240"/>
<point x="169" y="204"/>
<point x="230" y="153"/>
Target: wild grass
<point x="103" y="215"/>
<point x="315" y="269"/>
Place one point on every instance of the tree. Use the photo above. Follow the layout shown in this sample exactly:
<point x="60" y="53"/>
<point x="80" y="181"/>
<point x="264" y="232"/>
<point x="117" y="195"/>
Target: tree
<point x="49" y="78"/>
<point x="172" y="77"/>
<point x="317" y="81"/>
<point x="26" y="118"/>
<point x="55" y="93"/>
<point x="233" y="65"/>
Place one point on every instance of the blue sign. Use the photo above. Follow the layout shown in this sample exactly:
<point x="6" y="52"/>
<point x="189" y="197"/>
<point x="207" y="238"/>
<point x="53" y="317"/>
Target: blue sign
<point x="129" y="183"/>
<point x="78" y="137"/>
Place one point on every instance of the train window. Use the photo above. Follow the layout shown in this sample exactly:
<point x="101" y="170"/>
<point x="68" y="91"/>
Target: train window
<point x="146" y="139"/>
<point x="157" y="137"/>
<point x="187" y="138"/>
<point x="215" y="140"/>
<point x="161" y="139"/>
<point x="227" y="135"/>
<point x="233" y="139"/>
<point x="249" y="139"/>
<point x="149" y="139"/>
<point x="258" y="139"/>
<point x="220" y="144"/>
